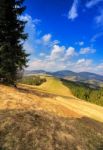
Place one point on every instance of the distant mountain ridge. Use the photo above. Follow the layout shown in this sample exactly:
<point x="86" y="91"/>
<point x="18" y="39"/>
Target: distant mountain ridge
<point x="34" y="72"/>
<point x="70" y="75"/>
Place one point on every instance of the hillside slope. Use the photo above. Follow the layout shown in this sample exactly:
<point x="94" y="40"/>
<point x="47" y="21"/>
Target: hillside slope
<point x="30" y="119"/>
<point x="53" y="85"/>
<point x="70" y="102"/>
<point x="27" y="99"/>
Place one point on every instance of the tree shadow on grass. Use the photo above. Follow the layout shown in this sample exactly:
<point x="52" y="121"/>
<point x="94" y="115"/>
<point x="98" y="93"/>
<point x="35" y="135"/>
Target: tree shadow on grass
<point x="35" y="92"/>
<point x="39" y="130"/>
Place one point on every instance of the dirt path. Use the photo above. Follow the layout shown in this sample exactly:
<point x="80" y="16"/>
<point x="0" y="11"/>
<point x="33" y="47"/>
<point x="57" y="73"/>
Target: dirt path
<point x="84" y="108"/>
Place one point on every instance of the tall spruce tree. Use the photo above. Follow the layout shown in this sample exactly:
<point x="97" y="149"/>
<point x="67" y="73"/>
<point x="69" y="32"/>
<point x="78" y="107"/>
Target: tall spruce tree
<point x="12" y="55"/>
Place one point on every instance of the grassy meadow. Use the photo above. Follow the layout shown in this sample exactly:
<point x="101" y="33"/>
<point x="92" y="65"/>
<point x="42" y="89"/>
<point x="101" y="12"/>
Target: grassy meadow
<point x="31" y="121"/>
<point x="64" y="87"/>
<point x="45" y="112"/>
<point x="50" y="85"/>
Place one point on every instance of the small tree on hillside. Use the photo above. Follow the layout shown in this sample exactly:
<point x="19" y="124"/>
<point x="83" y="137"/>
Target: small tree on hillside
<point x="12" y="55"/>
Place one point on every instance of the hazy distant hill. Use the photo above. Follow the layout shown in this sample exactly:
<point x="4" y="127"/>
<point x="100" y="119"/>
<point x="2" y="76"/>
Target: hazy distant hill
<point x="64" y="73"/>
<point x="29" y="72"/>
<point x="78" y="76"/>
<point x="85" y="77"/>
<point x="90" y="76"/>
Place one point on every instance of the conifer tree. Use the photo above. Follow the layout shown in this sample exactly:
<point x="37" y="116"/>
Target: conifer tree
<point x="12" y="55"/>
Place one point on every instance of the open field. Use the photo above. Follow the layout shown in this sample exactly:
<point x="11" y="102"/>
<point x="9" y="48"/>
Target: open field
<point x="30" y="119"/>
<point x="52" y="85"/>
<point x="63" y="96"/>
<point x="65" y="88"/>
<point x="24" y="98"/>
<point x="79" y="106"/>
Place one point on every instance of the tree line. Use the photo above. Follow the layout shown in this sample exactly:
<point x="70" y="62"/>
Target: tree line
<point x="83" y="91"/>
<point x="33" y="80"/>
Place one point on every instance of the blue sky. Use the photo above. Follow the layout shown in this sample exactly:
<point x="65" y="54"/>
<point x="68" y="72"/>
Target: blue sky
<point x="65" y="35"/>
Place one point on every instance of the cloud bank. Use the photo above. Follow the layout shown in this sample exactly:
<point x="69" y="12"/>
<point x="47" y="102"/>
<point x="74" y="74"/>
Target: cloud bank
<point x="49" y="54"/>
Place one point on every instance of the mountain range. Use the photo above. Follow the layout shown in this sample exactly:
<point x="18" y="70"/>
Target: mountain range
<point x="85" y="77"/>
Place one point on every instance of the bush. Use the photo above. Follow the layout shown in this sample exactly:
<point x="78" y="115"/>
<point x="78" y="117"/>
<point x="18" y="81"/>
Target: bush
<point x="33" y="80"/>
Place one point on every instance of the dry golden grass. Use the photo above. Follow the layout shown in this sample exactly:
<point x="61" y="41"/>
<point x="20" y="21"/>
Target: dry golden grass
<point x="11" y="98"/>
<point x="73" y="104"/>
<point x="53" y="85"/>
<point x="32" y="120"/>
<point x="82" y="107"/>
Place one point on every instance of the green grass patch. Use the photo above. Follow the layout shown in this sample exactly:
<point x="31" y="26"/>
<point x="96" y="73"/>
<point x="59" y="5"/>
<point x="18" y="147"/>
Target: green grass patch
<point x="33" y="80"/>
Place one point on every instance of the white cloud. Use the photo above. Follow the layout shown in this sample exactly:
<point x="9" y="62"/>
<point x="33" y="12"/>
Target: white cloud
<point x="46" y="41"/>
<point x="79" y="65"/>
<point x="84" y="62"/>
<point x="96" y="36"/>
<point x="80" y="61"/>
<point x="47" y="37"/>
<point x="92" y="3"/>
<point x="30" y="28"/>
<point x="49" y="65"/>
<point x="55" y="42"/>
<point x="60" y="53"/>
<point x="72" y="14"/>
<point x="46" y="65"/>
<point x="35" y="41"/>
<point x="99" y="19"/>
<point x="83" y="65"/>
<point x="87" y="50"/>
<point x="100" y="66"/>
<point x="29" y="48"/>
<point x="57" y="52"/>
<point x="56" y="60"/>
<point x="70" y="52"/>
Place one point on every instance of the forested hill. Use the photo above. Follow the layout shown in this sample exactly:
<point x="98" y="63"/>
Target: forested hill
<point x="85" y="91"/>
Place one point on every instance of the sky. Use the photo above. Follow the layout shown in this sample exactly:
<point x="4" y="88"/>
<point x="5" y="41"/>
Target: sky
<point x="64" y="35"/>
